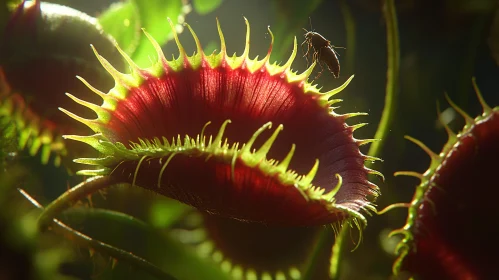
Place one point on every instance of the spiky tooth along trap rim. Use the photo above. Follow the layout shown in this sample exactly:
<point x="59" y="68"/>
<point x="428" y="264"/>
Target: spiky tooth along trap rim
<point x="448" y="233"/>
<point x="196" y="129"/>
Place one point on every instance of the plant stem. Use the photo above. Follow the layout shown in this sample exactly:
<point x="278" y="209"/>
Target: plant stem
<point x="157" y="246"/>
<point x="101" y="247"/>
<point x="392" y="74"/>
<point x="324" y="239"/>
<point x="78" y="192"/>
<point x="339" y="242"/>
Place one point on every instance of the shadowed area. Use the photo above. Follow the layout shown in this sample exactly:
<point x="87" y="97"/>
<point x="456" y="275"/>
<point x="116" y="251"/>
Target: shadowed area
<point x="460" y="206"/>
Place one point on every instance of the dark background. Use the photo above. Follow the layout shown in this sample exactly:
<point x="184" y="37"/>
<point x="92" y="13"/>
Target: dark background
<point x="443" y="44"/>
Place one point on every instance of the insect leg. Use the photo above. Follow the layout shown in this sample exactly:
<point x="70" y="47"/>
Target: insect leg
<point x="302" y="48"/>
<point x="335" y="47"/>
<point x="309" y="46"/>
<point x="317" y="58"/>
<point x="320" y="72"/>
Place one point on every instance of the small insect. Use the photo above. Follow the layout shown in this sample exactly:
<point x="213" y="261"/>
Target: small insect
<point x="323" y="52"/>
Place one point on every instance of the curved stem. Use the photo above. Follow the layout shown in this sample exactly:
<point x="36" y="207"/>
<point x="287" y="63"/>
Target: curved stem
<point x="78" y="192"/>
<point x="392" y="74"/>
<point x="157" y="246"/>
<point x="86" y="241"/>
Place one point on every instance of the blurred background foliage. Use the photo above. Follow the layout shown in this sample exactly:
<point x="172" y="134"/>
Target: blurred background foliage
<point x="442" y="45"/>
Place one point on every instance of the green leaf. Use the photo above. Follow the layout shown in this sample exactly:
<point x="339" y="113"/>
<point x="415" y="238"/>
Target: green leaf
<point x="133" y="235"/>
<point x="165" y="212"/>
<point x="124" y="21"/>
<point x="121" y="20"/>
<point x="211" y="47"/>
<point x="205" y="6"/>
<point x="153" y="15"/>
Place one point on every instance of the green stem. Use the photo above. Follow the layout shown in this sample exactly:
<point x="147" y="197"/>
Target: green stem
<point x="324" y="239"/>
<point x="85" y="213"/>
<point x="78" y="192"/>
<point x="392" y="74"/>
<point x="157" y="246"/>
<point x="102" y="247"/>
<point x="334" y="267"/>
